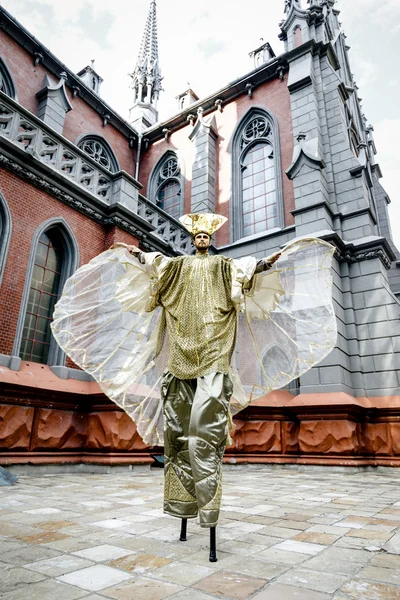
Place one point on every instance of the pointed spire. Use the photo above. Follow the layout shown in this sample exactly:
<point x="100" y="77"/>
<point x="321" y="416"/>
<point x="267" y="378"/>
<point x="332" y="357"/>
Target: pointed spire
<point x="149" y="46"/>
<point x="146" y="77"/>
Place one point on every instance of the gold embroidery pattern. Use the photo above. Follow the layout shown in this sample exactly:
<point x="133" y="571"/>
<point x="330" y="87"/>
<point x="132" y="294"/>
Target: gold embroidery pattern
<point x="215" y="502"/>
<point x="174" y="489"/>
<point x="200" y="315"/>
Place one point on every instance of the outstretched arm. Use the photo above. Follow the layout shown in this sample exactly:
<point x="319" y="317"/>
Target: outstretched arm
<point x="153" y="262"/>
<point x="134" y="250"/>
<point x="266" y="263"/>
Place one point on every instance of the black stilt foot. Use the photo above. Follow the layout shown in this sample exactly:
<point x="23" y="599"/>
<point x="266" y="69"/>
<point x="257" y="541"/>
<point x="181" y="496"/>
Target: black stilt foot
<point x="183" y="537"/>
<point x="213" y="545"/>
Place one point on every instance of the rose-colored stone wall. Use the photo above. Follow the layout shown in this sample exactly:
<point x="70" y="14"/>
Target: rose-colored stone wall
<point x="36" y="430"/>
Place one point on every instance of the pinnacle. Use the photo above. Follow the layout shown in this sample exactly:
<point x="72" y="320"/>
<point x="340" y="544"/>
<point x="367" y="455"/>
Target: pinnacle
<point x="149" y="45"/>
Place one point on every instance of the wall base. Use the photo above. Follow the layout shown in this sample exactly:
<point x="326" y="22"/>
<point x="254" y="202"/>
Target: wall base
<point x="67" y="422"/>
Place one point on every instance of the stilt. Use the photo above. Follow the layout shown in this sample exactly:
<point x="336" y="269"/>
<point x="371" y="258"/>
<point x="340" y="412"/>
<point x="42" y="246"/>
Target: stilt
<point x="183" y="537"/>
<point x="213" y="545"/>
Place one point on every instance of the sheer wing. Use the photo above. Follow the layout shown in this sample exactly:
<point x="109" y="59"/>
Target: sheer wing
<point x="101" y="323"/>
<point x="287" y="323"/>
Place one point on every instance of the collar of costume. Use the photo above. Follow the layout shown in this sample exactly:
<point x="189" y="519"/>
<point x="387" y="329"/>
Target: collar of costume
<point x="207" y="223"/>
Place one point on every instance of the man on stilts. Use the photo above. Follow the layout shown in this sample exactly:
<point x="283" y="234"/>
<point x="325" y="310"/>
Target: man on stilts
<point x="127" y="311"/>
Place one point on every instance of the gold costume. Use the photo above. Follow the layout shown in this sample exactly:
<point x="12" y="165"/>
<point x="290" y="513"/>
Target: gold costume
<point x="190" y="341"/>
<point x="195" y="292"/>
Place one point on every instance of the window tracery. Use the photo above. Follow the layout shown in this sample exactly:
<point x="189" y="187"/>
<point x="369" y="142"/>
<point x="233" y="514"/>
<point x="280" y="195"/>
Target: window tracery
<point x="100" y="152"/>
<point x="257" y="191"/>
<point x="166" y="186"/>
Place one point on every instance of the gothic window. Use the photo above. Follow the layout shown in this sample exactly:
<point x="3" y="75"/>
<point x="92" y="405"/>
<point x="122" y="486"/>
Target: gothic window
<point x="7" y="85"/>
<point x="98" y="149"/>
<point x="257" y="189"/>
<point x="354" y="139"/>
<point x="5" y="233"/>
<point x="54" y="257"/>
<point x="166" y="186"/>
<point x="43" y="294"/>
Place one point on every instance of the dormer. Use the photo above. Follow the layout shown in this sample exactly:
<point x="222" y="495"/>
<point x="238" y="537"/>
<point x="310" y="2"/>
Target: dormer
<point x="91" y="78"/>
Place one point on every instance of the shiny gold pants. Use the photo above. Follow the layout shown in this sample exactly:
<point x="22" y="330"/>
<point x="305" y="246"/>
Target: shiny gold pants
<point x="195" y="434"/>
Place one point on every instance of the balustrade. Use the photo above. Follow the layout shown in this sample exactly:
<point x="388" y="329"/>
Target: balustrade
<point x="36" y="138"/>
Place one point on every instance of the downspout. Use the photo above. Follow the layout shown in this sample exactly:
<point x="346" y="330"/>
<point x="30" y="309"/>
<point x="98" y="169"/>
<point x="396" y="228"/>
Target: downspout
<point x="140" y="136"/>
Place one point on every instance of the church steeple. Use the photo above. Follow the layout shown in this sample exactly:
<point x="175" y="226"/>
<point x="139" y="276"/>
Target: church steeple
<point x="146" y="77"/>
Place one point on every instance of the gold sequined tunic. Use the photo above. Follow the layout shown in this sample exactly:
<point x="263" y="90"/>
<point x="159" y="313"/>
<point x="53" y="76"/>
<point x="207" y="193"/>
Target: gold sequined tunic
<point x="200" y="315"/>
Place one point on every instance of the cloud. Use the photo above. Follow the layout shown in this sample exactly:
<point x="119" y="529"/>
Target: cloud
<point x="382" y="13"/>
<point x="387" y="134"/>
<point x="101" y="24"/>
<point x="366" y="72"/>
<point x="209" y="47"/>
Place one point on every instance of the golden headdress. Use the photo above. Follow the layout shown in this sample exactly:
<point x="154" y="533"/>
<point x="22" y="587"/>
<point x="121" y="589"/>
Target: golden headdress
<point x="202" y="223"/>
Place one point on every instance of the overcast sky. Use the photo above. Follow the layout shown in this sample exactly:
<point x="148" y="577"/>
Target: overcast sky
<point x="207" y="44"/>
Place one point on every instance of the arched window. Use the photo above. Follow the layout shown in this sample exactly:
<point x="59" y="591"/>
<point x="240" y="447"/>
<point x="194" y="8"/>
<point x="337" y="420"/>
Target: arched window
<point x="165" y="187"/>
<point x="99" y="149"/>
<point x="354" y="138"/>
<point x="257" y="181"/>
<point x="5" y="233"/>
<point x="54" y="257"/>
<point x="43" y="294"/>
<point x="6" y="81"/>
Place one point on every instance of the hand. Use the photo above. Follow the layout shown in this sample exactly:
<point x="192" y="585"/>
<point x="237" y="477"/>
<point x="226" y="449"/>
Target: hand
<point x="117" y="245"/>
<point x="273" y="258"/>
<point x="131" y="249"/>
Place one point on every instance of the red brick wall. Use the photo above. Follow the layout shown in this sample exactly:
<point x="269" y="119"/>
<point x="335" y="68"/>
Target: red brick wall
<point x="81" y="119"/>
<point x="272" y="95"/>
<point x="29" y="208"/>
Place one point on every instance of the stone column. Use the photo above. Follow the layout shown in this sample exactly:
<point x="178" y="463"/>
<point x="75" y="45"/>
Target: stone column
<point x="53" y="104"/>
<point x="204" y="136"/>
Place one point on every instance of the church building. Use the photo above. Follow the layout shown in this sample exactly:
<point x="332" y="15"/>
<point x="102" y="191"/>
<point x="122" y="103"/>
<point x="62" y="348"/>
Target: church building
<point x="284" y="151"/>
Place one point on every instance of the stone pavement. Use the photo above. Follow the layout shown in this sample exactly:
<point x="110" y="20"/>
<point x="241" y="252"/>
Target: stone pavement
<point x="284" y="534"/>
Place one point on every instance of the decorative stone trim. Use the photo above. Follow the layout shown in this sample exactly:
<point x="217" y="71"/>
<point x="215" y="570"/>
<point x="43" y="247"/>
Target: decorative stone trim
<point x="156" y="218"/>
<point x="305" y="153"/>
<point x="361" y="256"/>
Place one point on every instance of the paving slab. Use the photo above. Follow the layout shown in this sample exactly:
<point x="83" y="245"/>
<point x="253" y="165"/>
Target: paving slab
<point x="230" y="584"/>
<point x="359" y="589"/>
<point x="95" y="578"/>
<point x="289" y="592"/>
<point x="284" y="534"/>
<point x="142" y="588"/>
